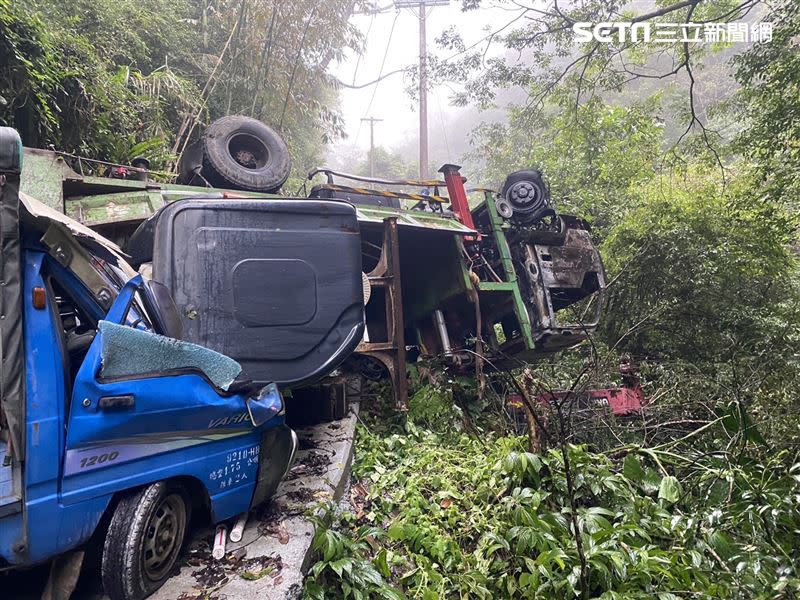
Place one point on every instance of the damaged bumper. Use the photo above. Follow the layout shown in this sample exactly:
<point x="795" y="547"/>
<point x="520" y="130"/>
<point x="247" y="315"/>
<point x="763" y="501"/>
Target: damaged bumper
<point x="278" y="448"/>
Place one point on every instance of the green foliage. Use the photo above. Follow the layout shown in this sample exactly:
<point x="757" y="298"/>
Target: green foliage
<point x="699" y="262"/>
<point x="91" y="77"/>
<point x="30" y="67"/>
<point x="442" y="398"/>
<point x="276" y="67"/>
<point x="700" y="246"/>
<point x="594" y="161"/>
<point x="112" y="78"/>
<point x="534" y="50"/>
<point x="453" y="516"/>
<point x="770" y="97"/>
<point x="432" y="404"/>
<point x="387" y="165"/>
<point x="345" y="569"/>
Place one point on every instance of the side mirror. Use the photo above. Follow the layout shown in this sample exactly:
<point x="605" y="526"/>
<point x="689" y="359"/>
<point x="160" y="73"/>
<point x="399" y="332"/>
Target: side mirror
<point x="265" y="405"/>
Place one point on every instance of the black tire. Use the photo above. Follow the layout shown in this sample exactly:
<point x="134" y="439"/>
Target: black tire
<point x="190" y="164"/>
<point x="154" y="518"/>
<point x="526" y="195"/>
<point x="243" y="153"/>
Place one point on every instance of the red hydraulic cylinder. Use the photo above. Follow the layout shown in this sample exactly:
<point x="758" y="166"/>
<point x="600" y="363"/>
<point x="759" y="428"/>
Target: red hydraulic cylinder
<point x="458" y="195"/>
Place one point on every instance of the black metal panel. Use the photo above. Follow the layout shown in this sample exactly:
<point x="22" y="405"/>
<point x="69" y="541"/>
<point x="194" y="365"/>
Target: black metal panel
<point x="275" y="284"/>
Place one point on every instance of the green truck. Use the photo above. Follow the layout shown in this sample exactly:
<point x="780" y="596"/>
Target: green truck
<point x="471" y="277"/>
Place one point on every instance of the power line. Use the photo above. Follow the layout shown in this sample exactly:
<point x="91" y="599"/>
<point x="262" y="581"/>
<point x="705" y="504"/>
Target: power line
<point x="360" y="86"/>
<point x="444" y="129"/>
<point x="488" y="37"/>
<point x="374" y="10"/>
<point x="423" y="5"/>
<point x="380" y="73"/>
<point x="443" y="61"/>
<point x="363" y="48"/>
<point x="383" y="62"/>
<point x="423" y="93"/>
<point x="297" y="62"/>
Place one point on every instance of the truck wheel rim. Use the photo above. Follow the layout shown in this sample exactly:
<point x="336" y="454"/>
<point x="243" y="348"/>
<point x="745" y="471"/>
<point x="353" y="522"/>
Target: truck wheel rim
<point x="163" y="536"/>
<point x="248" y="151"/>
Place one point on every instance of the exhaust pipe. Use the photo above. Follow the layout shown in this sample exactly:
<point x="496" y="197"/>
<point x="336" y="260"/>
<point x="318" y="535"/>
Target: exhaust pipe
<point x="444" y="337"/>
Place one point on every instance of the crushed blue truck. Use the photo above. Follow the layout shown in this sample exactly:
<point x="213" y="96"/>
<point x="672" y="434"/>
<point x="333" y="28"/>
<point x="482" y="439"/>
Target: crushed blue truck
<point x="153" y="335"/>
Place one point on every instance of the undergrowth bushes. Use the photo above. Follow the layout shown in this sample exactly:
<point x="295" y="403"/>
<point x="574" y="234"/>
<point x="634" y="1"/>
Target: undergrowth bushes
<point x="439" y="513"/>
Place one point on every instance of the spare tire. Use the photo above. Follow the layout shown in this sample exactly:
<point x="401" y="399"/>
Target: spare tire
<point x="525" y="197"/>
<point x="243" y="153"/>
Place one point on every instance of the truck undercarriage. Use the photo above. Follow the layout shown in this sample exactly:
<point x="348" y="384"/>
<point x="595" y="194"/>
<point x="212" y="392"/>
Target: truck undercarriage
<point x="504" y="278"/>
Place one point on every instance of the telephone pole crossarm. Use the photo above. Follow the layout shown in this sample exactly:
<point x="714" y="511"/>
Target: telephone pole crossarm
<point x="372" y="121"/>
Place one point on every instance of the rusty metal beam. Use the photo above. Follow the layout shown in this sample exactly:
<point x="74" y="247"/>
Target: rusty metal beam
<point x="392" y="352"/>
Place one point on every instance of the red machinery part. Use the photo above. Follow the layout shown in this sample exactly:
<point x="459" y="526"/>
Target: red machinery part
<point x="458" y="196"/>
<point x="622" y="400"/>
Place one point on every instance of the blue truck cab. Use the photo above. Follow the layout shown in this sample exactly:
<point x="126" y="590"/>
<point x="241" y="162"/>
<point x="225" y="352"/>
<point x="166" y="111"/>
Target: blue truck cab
<point x="114" y="423"/>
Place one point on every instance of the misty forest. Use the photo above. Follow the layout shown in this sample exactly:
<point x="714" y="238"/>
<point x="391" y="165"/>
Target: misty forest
<point x="685" y="160"/>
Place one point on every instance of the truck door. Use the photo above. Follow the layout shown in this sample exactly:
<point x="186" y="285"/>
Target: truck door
<point x="273" y="283"/>
<point x="140" y="390"/>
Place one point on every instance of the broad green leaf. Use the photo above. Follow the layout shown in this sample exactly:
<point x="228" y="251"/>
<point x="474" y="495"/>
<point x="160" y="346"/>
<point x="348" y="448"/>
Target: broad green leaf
<point x="314" y="590"/>
<point x="669" y="489"/>
<point x="651" y="482"/>
<point x="721" y="544"/>
<point x="632" y="468"/>
<point x="381" y="564"/>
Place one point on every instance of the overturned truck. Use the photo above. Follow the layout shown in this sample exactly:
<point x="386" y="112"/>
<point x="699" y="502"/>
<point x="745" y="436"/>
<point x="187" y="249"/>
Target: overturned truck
<point x="450" y="272"/>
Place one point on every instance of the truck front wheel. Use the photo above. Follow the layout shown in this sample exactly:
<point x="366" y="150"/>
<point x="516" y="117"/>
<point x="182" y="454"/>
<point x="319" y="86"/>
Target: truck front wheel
<point x="143" y="541"/>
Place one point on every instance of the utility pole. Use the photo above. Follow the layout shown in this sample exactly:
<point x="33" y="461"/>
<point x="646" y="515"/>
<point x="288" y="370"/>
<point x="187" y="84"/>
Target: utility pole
<point x="372" y="121"/>
<point x="423" y="77"/>
<point x="423" y="94"/>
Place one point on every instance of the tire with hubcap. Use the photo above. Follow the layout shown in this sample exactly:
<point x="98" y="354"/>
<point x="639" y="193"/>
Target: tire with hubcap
<point x="144" y="540"/>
